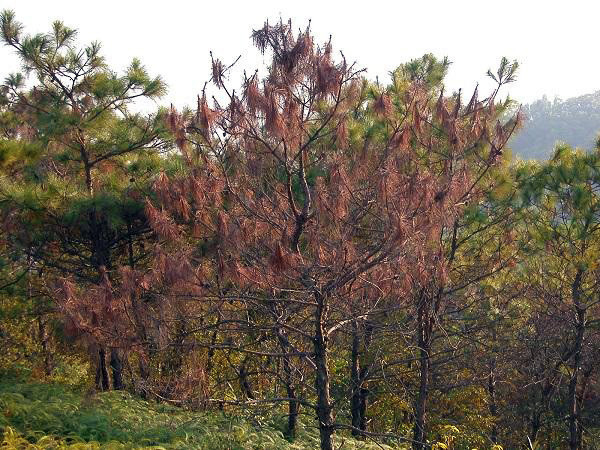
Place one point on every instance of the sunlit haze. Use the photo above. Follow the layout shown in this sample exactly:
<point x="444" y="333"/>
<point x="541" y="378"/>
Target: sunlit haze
<point x="554" y="41"/>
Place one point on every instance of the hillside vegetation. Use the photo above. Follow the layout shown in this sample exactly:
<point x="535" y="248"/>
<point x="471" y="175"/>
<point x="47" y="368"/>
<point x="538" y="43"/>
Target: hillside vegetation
<point x="305" y="259"/>
<point x="53" y="416"/>
<point x="574" y="121"/>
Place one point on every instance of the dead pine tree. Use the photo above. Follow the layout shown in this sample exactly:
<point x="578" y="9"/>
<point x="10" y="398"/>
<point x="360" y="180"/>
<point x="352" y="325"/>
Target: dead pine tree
<point x="308" y="186"/>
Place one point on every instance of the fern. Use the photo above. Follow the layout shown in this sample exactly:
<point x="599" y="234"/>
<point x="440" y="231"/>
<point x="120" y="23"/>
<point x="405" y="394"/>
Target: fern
<point x="51" y="416"/>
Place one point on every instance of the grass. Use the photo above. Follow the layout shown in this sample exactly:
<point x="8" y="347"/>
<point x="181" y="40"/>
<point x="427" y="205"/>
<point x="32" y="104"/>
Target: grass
<point x="55" y="416"/>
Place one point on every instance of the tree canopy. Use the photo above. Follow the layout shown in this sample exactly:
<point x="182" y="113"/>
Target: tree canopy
<point x="306" y="247"/>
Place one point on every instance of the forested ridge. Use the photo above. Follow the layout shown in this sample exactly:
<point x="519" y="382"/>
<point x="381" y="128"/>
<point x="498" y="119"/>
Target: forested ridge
<point x="573" y="121"/>
<point x="305" y="258"/>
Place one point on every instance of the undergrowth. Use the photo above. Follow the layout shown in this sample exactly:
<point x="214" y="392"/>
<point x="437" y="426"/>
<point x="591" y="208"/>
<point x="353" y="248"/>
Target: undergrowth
<point x="55" y="416"/>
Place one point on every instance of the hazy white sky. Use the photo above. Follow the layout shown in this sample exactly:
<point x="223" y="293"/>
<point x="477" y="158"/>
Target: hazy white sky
<point x="556" y="42"/>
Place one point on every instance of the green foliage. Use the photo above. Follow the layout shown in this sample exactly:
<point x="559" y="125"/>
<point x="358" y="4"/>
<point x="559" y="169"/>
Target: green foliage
<point x="23" y="357"/>
<point x="51" y="414"/>
<point x="506" y="73"/>
<point x="428" y="69"/>
<point x="18" y="152"/>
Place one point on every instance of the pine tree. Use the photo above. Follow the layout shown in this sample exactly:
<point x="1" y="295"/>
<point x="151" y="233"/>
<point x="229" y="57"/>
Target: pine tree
<point x="76" y="198"/>
<point x="562" y="208"/>
<point x="313" y="200"/>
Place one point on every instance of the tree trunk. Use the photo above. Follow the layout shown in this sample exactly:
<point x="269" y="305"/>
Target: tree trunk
<point x="492" y="394"/>
<point x="145" y="376"/>
<point x="364" y="400"/>
<point x="364" y="388"/>
<point x="117" y="369"/>
<point x="574" y="443"/>
<point x="577" y="347"/>
<point x="424" y="341"/>
<point x="102" y="381"/>
<point x="580" y="399"/>
<point x="293" y="409"/>
<point x="293" y="404"/>
<point x="355" y="400"/>
<point x="211" y="351"/>
<point x="244" y="382"/>
<point x="539" y="411"/>
<point x="493" y="405"/>
<point x="419" y="434"/>
<point x="360" y="392"/>
<point x="43" y="336"/>
<point x="322" y="375"/>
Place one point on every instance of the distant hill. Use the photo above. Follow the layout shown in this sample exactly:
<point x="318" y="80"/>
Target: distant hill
<point x="575" y="121"/>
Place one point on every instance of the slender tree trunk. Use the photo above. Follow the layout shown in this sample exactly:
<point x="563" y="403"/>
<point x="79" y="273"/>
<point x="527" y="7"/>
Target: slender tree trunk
<point x="293" y="404"/>
<point x="545" y="395"/>
<point x="116" y="365"/>
<point x="321" y="349"/>
<point x="211" y="351"/>
<point x="424" y="341"/>
<point x="144" y="375"/>
<point x="419" y="434"/>
<point x="364" y="400"/>
<point x="360" y="392"/>
<point x="574" y="424"/>
<point x="493" y="405"/>
<point x="580" y="398"/>
<point x="355" y="400"/>
<point x="536" y="415"/>
<point x="42" y="332"/>
<point x="358" y="378"/>
<point x="144" y="370"/>
<point x="577" y="347"/>
<point x="102" y="381"/>
<point x="244" y="382"/>
<point x="43" y="337"/>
